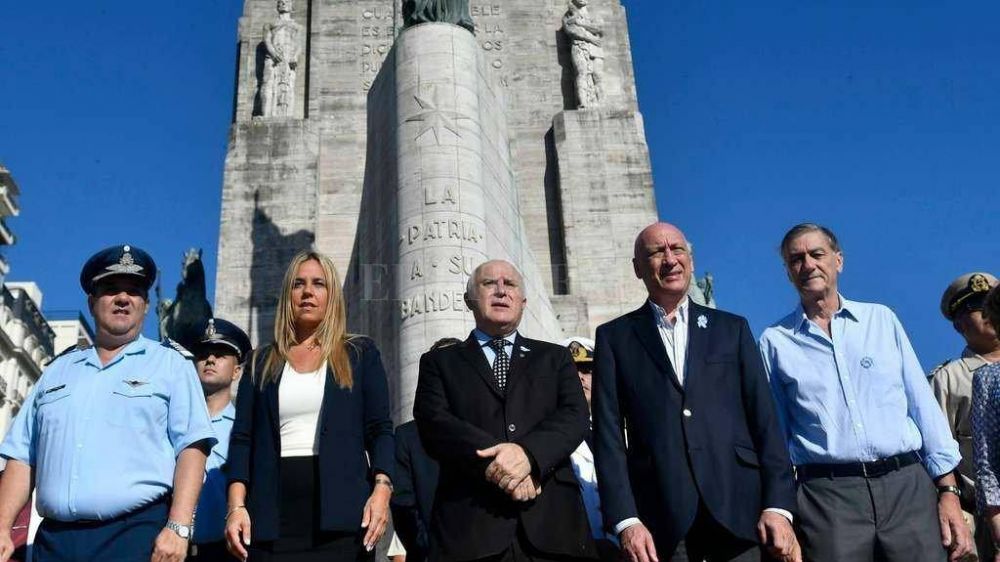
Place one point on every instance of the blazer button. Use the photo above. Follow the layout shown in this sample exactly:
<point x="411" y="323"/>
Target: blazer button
<point x="511" y="428"/>
<point x="687" y="413"/>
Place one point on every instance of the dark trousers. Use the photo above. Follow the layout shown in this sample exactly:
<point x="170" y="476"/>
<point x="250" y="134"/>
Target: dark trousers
<point x="522" y="551"/>
<point x="210" y="552"/>
<point x="128" y="538"/>
<point x="300" y="538"/>
<point x="708" y="541"/>
<point x="887" y="519"/>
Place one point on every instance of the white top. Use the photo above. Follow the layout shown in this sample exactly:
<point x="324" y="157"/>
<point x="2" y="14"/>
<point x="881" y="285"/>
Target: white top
<point x="300" y="397"/>
<point x="674" y="333"/>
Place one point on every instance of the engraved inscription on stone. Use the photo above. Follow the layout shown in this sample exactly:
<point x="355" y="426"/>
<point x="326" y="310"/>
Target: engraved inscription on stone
<point x="283" y="40"/>
<point x="586" y="37"/>
<point x="376" y="33"/>
<point x="452" y="229"/>
<point x="492" y="36"/>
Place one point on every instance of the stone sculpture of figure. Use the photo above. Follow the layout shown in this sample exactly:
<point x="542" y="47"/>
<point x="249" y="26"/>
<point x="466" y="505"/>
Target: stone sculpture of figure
<point x="445" y="11"/>
<point x="587" y="53"/>
<point x="283" y="44"/>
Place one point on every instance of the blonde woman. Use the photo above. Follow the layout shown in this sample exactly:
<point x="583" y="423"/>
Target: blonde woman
<point x="312" y="409"/>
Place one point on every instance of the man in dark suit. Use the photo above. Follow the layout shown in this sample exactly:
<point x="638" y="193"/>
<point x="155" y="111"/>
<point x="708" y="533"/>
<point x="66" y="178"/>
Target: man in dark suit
<point x="501" y="413"/>
<point x="690" y="456"/>
<point x="415" y="485"/>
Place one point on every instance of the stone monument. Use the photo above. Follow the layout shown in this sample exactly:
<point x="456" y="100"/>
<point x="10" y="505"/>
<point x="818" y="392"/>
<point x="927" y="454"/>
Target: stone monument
<point x="588" y="56"/>
<point x="282" y="44"/>
<point x="412" y="153"/>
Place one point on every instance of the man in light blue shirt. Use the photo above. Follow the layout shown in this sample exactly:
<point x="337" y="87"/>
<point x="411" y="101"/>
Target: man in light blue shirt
<point x="114" y="437"/>
<point x="862" y="426"/>
<point x="219" y="355"/>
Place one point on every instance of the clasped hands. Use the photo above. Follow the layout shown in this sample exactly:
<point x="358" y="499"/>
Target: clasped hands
<point x="511" y="471"/>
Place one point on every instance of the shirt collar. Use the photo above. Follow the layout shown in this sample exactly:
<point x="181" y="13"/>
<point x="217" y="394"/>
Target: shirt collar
<point x="848" y="309"/>
<point x="661" y="315"/>
<point x="483" y="338"/>
<point x="227" y="413"/>
<point x="136" y="347"/>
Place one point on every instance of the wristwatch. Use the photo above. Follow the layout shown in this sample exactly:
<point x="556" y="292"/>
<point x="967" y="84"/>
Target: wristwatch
<point x="183" y="531"/>
<point x="953" y="489"/>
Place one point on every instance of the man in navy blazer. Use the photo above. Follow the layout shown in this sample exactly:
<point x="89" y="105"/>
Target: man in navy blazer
<point x="690" y="456"/>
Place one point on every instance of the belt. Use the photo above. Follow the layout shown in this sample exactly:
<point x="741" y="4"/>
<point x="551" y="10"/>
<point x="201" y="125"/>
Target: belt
<point x="872" y="469"/>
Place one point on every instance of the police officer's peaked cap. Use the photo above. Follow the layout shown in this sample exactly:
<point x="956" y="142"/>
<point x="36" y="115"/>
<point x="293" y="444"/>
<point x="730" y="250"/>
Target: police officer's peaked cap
<point x="582" y="349"/>
<point x="217" y="331"/>
<point x="118" y="260"/>
<point x="966" y="293"/>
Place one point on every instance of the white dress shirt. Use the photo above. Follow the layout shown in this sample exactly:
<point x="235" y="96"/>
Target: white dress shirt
<point x="674" y="333"/>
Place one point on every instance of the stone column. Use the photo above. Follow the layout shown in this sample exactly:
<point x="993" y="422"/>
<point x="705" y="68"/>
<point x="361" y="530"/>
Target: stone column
<point x="438" y="176"/>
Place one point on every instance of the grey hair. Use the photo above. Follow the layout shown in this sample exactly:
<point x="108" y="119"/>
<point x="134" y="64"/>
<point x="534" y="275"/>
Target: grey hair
<point x="805" y="228"/>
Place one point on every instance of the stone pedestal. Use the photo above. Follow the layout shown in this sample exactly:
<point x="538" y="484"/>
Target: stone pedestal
<point x="439" y="199"/>
<point x="606" y="198"/>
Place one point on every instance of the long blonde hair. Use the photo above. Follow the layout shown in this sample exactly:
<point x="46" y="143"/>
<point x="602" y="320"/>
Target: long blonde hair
<point x="331" y="334"/>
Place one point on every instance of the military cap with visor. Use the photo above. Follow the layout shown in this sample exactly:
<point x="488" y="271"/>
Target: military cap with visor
<point x="217" y="331"/>
<point x="582" y="349"/>
<point x="124" y="260"/>
<point x="966" y="293"/>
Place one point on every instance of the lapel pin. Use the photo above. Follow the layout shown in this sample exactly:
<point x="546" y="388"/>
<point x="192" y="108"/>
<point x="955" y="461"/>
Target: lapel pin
<point x="702" y="321"/>
<point x="524" y="348"/>
<point x="135" y="383"/>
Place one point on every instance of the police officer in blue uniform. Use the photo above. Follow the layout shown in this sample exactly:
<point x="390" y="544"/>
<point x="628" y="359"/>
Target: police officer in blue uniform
<point x="219" y="356"/>
<point x="113" y="437"/>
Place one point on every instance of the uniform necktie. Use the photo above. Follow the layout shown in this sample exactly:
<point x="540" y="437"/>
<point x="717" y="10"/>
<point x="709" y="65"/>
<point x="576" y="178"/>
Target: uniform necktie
<point x="501" y="365"/>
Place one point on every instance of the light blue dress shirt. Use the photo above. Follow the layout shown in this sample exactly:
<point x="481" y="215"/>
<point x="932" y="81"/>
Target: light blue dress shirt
<point x="858" y="396"/>
<point x="103" y="440"/>
<point x="484" y="339"/>
<point x="210" y="524"/>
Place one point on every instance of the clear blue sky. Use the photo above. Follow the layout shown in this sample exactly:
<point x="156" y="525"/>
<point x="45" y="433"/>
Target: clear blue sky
<point x="881" y="120"/>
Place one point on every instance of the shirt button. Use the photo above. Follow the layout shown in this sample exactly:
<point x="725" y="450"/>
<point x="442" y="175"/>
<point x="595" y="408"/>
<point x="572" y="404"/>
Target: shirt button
<point x="687" y="413"/>
<point x="512" y="428"/>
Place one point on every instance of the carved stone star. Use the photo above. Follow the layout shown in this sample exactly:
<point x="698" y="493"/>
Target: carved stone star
<point x="433" y="118"/>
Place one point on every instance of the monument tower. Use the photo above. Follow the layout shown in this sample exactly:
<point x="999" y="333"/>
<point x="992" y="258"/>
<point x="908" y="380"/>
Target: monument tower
<point x="412" y="153"/>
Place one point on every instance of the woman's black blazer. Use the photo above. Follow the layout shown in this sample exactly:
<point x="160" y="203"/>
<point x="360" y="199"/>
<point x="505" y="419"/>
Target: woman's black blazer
<point x="352" y="422"/>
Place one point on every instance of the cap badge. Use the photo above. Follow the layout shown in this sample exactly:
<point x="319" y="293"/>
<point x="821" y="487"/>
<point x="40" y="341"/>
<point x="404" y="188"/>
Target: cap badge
<point x="126" y="264"/>
<point x="979" y="284"/>
<point x="210" y="330"/>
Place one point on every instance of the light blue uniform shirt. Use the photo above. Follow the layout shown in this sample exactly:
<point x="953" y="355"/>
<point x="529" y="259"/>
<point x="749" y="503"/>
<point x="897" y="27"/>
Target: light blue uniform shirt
<point x="210" y="517"/>
<point x="858" y="396"/>
<point x="484" y="339"/>
<point x="103" y="441"/>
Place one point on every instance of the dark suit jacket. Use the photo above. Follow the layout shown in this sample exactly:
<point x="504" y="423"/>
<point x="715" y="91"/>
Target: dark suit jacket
<point x="415" y="484"/>
<point x="459" y="410"/>
<point x="352" y="422"/>
<point x="716" y="439"/>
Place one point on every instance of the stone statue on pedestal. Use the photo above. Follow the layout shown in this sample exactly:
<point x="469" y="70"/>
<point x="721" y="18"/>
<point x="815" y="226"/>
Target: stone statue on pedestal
<point x="587" y="53"/>
<point x="283" y="44"/>
<point x="445" y="11"/>
<point x="182" y="318"/>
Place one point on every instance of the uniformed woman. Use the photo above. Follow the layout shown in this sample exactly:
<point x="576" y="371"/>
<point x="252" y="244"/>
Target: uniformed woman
<point x="311" y="453"/>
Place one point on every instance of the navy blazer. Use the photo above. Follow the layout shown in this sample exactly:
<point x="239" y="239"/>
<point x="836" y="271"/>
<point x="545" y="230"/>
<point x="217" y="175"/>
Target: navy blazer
<point x="416" y="483"/>
<point x="352" y="422"/>
<point x="715" y="439"/>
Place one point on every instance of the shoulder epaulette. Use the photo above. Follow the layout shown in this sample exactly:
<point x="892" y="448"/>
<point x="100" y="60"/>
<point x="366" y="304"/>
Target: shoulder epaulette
<point x="71" y="349"/>
<point x="171" y="344"/>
